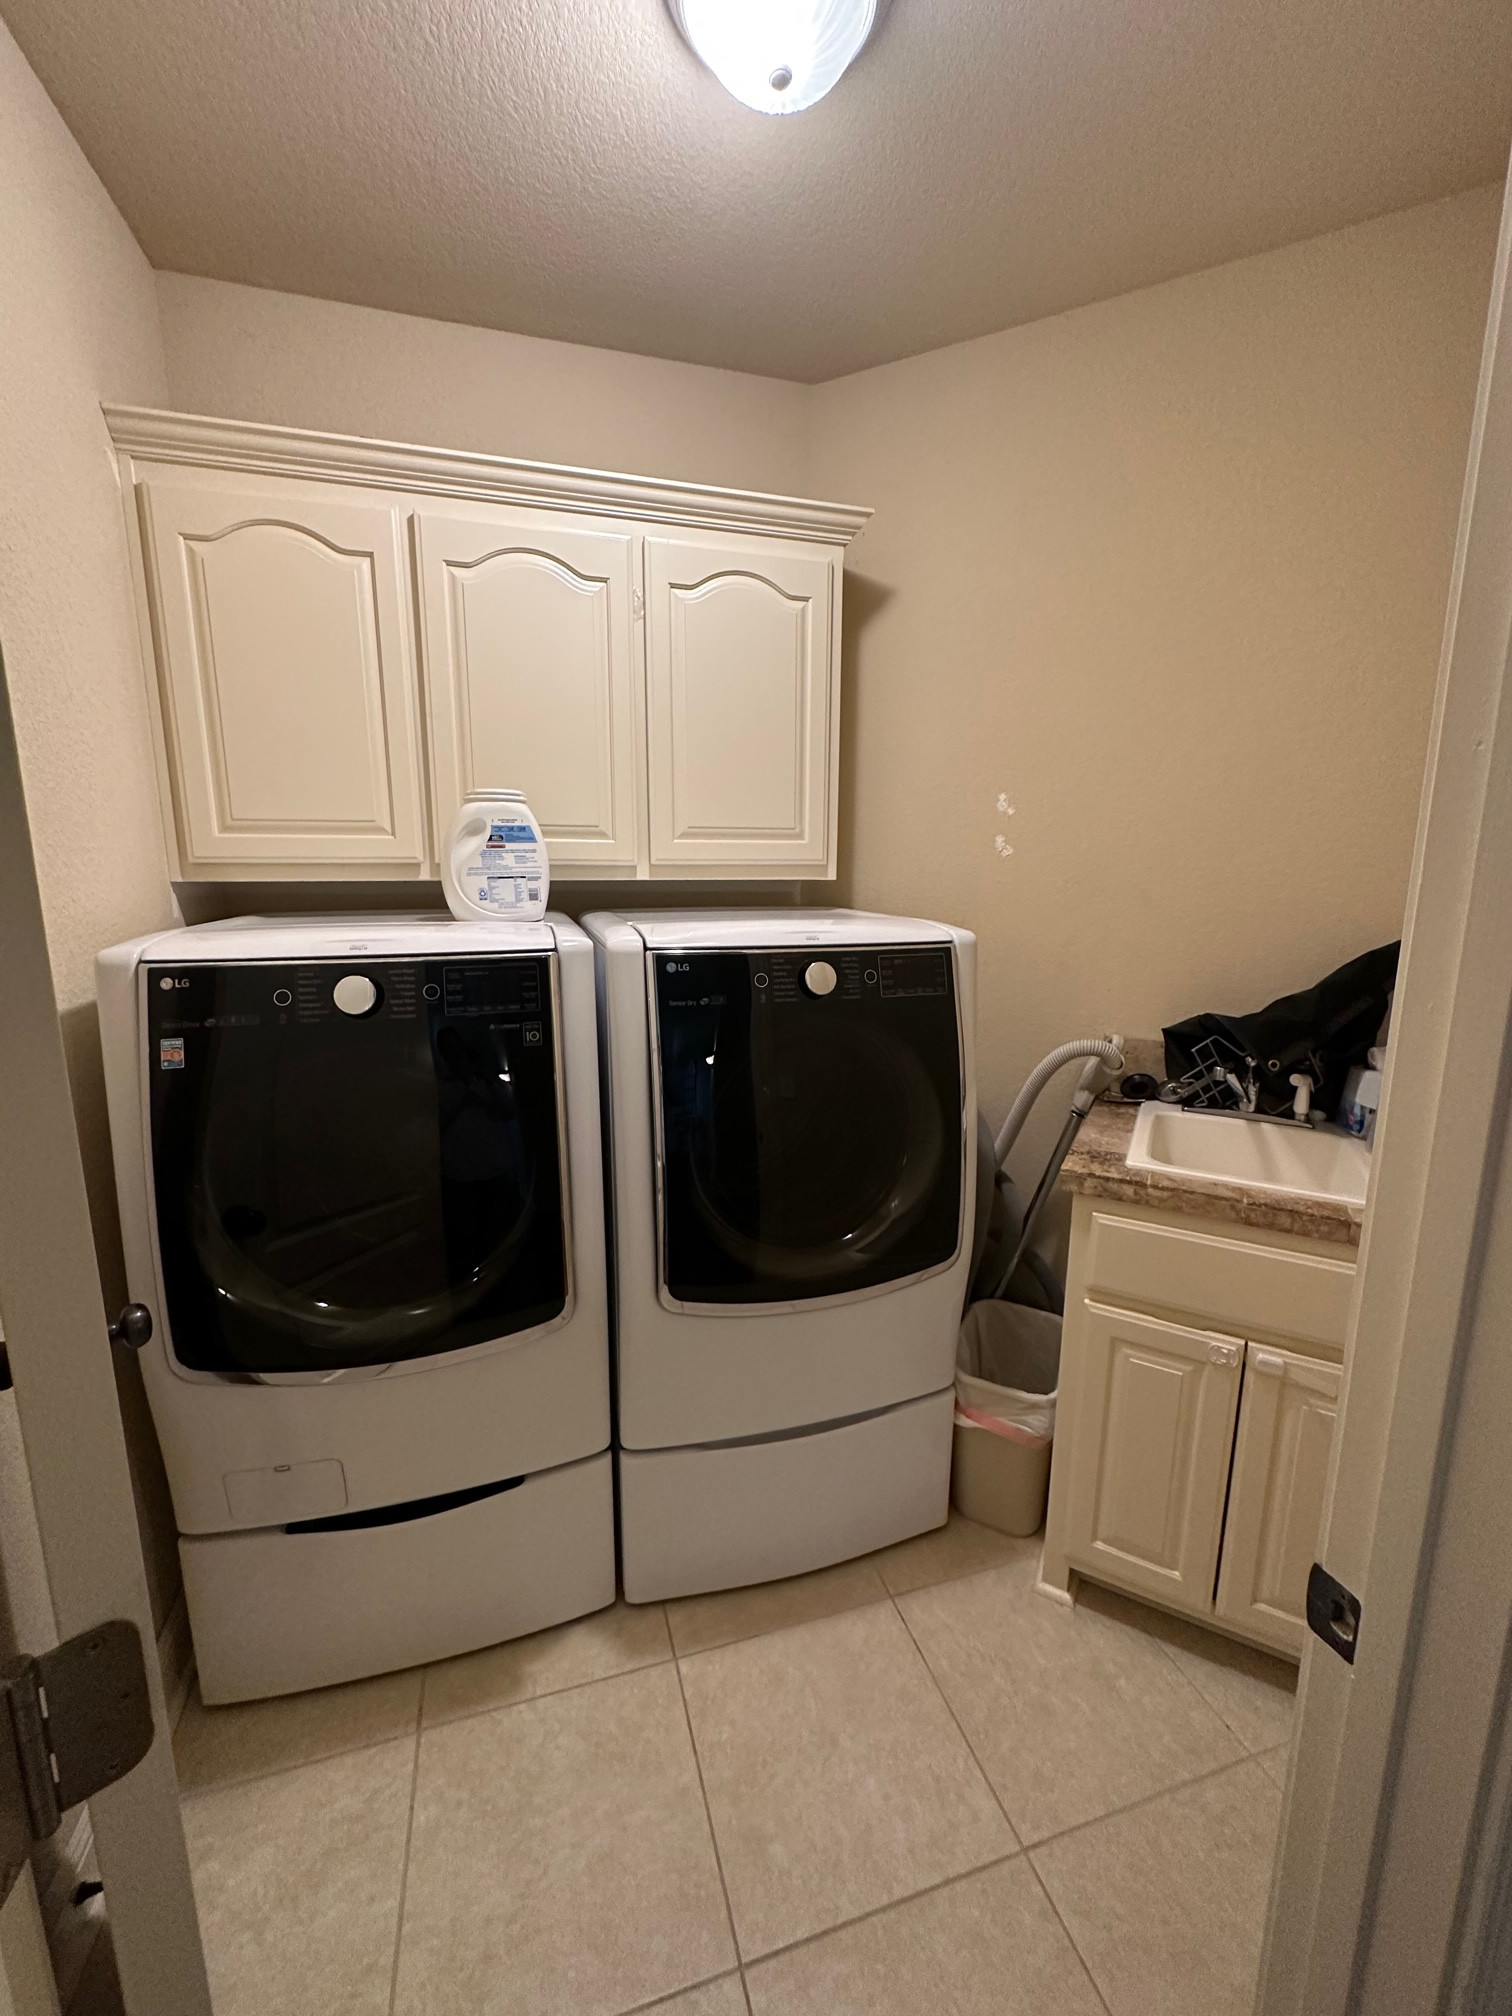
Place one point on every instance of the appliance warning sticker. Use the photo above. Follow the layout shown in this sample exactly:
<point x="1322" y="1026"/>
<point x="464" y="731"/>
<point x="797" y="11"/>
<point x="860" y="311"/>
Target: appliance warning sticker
<point x="170" y="1053"/>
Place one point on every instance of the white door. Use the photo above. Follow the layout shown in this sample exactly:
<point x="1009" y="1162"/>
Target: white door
<point x="743" y="697"/>
<point x="528" y="631"/>
<point x="70" y="1424"/>
<point x="1393" y="1893"/>
<point x="1275" y="1503"/>
<point x="1150" y="1454"/>
<point x="286" y="672"/>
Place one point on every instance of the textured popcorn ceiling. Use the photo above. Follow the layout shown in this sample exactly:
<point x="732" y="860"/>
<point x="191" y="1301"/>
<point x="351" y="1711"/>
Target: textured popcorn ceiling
<point x="565" y="168"/>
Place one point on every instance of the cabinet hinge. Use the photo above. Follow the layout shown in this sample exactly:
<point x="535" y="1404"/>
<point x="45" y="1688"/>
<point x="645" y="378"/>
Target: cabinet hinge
<point x="72" y="1721"/>
<point x="638" y="604"/>
<point x="1333" y="1613"/>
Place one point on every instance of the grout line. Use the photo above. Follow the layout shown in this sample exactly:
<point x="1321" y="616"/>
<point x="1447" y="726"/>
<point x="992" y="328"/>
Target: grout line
<point x="950" y="1711"/>
<point x="944" y="1581"/>
<point x="670" y="1657"/>
<point x="777" y="1630"/>
<point x="1133" y="1805"/>
<point x="676" y="1994"/>
<point x="409" y="1835"/>
<point x="189" y="1793"/>
<point x="1030" y="1847"/>
<point x="1086" y="1965"/>
<point x="713" y="1836"/>
<point x="892" y="1904"/>
<point x="550" y="1693"/>
<point x="1157" y="1637"/>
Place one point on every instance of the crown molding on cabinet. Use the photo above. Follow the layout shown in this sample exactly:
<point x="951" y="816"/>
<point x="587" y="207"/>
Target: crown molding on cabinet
<point x="153" y="436"/>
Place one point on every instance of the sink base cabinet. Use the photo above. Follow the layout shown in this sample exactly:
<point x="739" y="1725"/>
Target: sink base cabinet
<point x="1275" y="1501"/>
<point x="1190" y="1462"/>
<point x="1155" y="1424"/>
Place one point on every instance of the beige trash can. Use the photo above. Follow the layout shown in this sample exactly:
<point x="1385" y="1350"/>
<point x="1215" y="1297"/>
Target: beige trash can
<point x="1007" y="1372"/>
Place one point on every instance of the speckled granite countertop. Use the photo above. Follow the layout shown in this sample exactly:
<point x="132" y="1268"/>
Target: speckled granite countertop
<point x="1096" y="1168"/>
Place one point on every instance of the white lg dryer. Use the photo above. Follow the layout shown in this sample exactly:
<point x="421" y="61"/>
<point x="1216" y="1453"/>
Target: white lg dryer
<point x="791" y="1101"/>
<point x="359" y="1167"/>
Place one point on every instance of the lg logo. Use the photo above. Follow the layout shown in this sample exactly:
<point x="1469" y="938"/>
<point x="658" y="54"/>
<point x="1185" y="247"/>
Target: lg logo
<point x="168" y="981"/>
<point x="679" y="966"/>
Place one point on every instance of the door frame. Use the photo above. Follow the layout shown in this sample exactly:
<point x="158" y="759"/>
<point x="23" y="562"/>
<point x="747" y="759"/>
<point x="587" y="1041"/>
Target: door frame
<point x="1396" y="1853"/>
<point x="55" y="1335"/>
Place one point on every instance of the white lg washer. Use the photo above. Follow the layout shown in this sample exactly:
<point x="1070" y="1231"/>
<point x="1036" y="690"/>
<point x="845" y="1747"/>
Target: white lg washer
<point x="791" y="1102"/>
<point x="359" y="1166"/>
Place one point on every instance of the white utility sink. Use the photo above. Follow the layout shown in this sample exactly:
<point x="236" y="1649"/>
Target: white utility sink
<point x="1320" y="1162"/>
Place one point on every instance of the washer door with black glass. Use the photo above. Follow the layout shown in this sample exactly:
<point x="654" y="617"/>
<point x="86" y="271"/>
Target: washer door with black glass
<point x="809" y="1121"/>
<point x="355" y="1165"/>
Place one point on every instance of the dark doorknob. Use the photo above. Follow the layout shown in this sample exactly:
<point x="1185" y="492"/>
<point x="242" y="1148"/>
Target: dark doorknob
<point x="133" y="1327"/>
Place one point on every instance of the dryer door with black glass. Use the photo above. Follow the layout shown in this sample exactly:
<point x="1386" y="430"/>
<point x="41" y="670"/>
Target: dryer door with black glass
<point x="809" y="1121"/>
<point x="355" y="1164"/>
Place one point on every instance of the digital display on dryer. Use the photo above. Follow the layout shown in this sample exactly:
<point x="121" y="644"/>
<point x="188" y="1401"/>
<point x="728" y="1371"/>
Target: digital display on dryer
<point x="912" y="975"/>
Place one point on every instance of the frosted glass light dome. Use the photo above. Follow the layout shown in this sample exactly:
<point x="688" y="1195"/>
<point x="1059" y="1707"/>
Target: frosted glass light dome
<point x="776" y="55"/>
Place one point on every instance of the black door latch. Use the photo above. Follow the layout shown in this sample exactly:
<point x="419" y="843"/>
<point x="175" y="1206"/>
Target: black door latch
<point x="1333" y="1613"/>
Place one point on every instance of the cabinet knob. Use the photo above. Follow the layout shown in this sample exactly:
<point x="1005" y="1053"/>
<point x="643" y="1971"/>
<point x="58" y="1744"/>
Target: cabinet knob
<point x="1269" y="1362"/>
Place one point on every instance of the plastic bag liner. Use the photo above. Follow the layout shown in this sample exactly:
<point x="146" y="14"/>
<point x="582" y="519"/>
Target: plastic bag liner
<point x="1008" y="1370"/>
<point x="1324" y="1030"/>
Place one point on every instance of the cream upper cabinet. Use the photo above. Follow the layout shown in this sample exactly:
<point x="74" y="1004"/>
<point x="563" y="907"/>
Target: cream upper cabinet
<point x="286" y="687"/>
<point x="742" y="699"/>
<point x="1149" y="1444"/>
<point x="655" y="664"/>
<point x="528" y="644"/>
<point x="1275" y="1506"/>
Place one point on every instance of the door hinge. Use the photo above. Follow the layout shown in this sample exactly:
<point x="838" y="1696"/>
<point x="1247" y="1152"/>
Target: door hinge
<point x="1333" y="1613"/>
<point x="72" y="1721"/>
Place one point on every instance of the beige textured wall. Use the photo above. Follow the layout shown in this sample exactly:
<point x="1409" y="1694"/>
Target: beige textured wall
<point x="78" y="324"/>
<point x="1169" y="573"/>
<point x="255" y="355"/>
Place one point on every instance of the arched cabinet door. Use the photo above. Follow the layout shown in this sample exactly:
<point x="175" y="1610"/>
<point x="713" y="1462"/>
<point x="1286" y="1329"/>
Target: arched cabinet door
<point x="528" y="632"/>
<point x="743" y="702"/>
<point x="286" y="673"/>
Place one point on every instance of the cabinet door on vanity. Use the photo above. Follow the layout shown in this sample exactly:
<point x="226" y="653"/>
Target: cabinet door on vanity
<point x="286" y="675"/>
<point x="1275" y="1507"/>
<point x="528" y="645"/>
<point x="1150" y="1453"/>
<point x="743" y="691"/>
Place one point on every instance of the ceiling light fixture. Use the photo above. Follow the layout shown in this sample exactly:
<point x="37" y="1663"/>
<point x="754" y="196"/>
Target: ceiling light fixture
<point x="776" y="55"/>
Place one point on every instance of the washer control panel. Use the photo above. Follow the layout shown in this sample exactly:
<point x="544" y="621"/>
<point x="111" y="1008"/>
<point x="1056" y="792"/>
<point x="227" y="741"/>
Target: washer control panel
<point x="892" y="973"/>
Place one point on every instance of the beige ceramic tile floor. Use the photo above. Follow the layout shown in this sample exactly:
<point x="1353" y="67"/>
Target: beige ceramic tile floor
<point x="900" y="1787"/>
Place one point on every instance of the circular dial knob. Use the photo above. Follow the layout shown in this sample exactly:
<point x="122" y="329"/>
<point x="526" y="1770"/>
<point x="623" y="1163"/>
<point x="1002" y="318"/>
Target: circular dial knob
<point x="820" y="977"/>
<point x="354" y="994"/>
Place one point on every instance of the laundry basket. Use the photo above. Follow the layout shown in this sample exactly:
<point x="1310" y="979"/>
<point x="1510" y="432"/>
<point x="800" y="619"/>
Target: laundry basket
<point x="1007" y="1371"/>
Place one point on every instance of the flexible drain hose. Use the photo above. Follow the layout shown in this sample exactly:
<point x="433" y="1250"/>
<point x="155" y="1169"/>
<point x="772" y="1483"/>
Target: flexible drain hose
<point x="1106" y="1054"/>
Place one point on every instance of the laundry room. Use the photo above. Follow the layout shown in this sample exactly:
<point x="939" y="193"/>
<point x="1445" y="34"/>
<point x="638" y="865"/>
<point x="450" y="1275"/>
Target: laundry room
<point x="749" y="762"/>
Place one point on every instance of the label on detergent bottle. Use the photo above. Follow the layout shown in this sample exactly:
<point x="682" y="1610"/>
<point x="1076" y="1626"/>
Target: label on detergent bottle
<point x="506" y="873"/>
<point x="496" y="864"/>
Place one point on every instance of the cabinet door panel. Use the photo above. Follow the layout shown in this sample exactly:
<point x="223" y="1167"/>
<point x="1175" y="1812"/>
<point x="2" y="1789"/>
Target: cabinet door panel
<point x="1150" y="1454"/>
<point x="1281" y="1452"/>
<point x="286" y="673"/>
<point x="529" y="666"/>
<point x="741" y="698"/>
